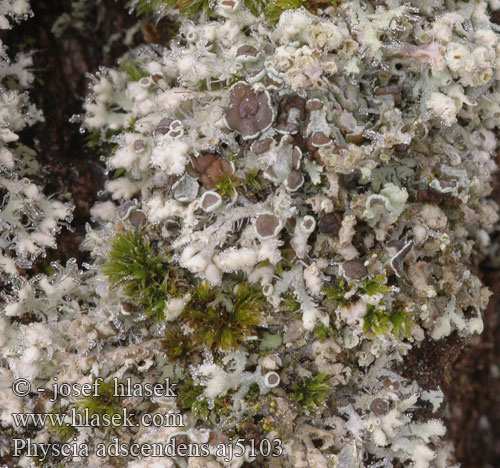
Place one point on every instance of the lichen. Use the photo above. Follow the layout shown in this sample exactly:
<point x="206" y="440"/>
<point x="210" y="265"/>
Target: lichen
<point x="297" y="196"/>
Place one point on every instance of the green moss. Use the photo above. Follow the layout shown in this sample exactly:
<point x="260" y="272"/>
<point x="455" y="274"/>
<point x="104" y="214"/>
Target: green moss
<point x="287" y="262"/>
<point x="375" y="285"/>
<point x="253" y="182"/>
<point x="150" y="7"/>
<point x="253" y="393"/>
<point x="133" y="70"/>
<point x="272" y="9"/>
<point x="133" y="265"/>
<point x="223" y="407"/>
<point x="335" y="293"/>
<point x="187" y="394"/>
<point x="201" y="410"/>
<point x="131" y="124"/>
<point x="61" y="432"/>
<point x="267" y="424"/>
<point x="121" y="172"/>
<point x="204" y="292"/>
<point x="256" y="7"/>
<point x="226" y="187"/>
<point x="289" y="303"/>
<point x="193" y="7"/>
<point x="312" y="393"/>
<point x="322" y="332"/>
<point x="378" y="321"/>
<point x="221" y="319"/>
<point x="178" y="282"/>
<point x="275" y="8"/>
<point x="189" y="398"/>
<point x="105" y="403"/>
<point x="176" y="344"/>
<point x="185" y="7"/>
<point x="97" y="140"/>
<point x="402" y="324"/>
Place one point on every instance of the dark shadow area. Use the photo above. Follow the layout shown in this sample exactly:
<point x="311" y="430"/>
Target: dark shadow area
<point x="62" y="63"/>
